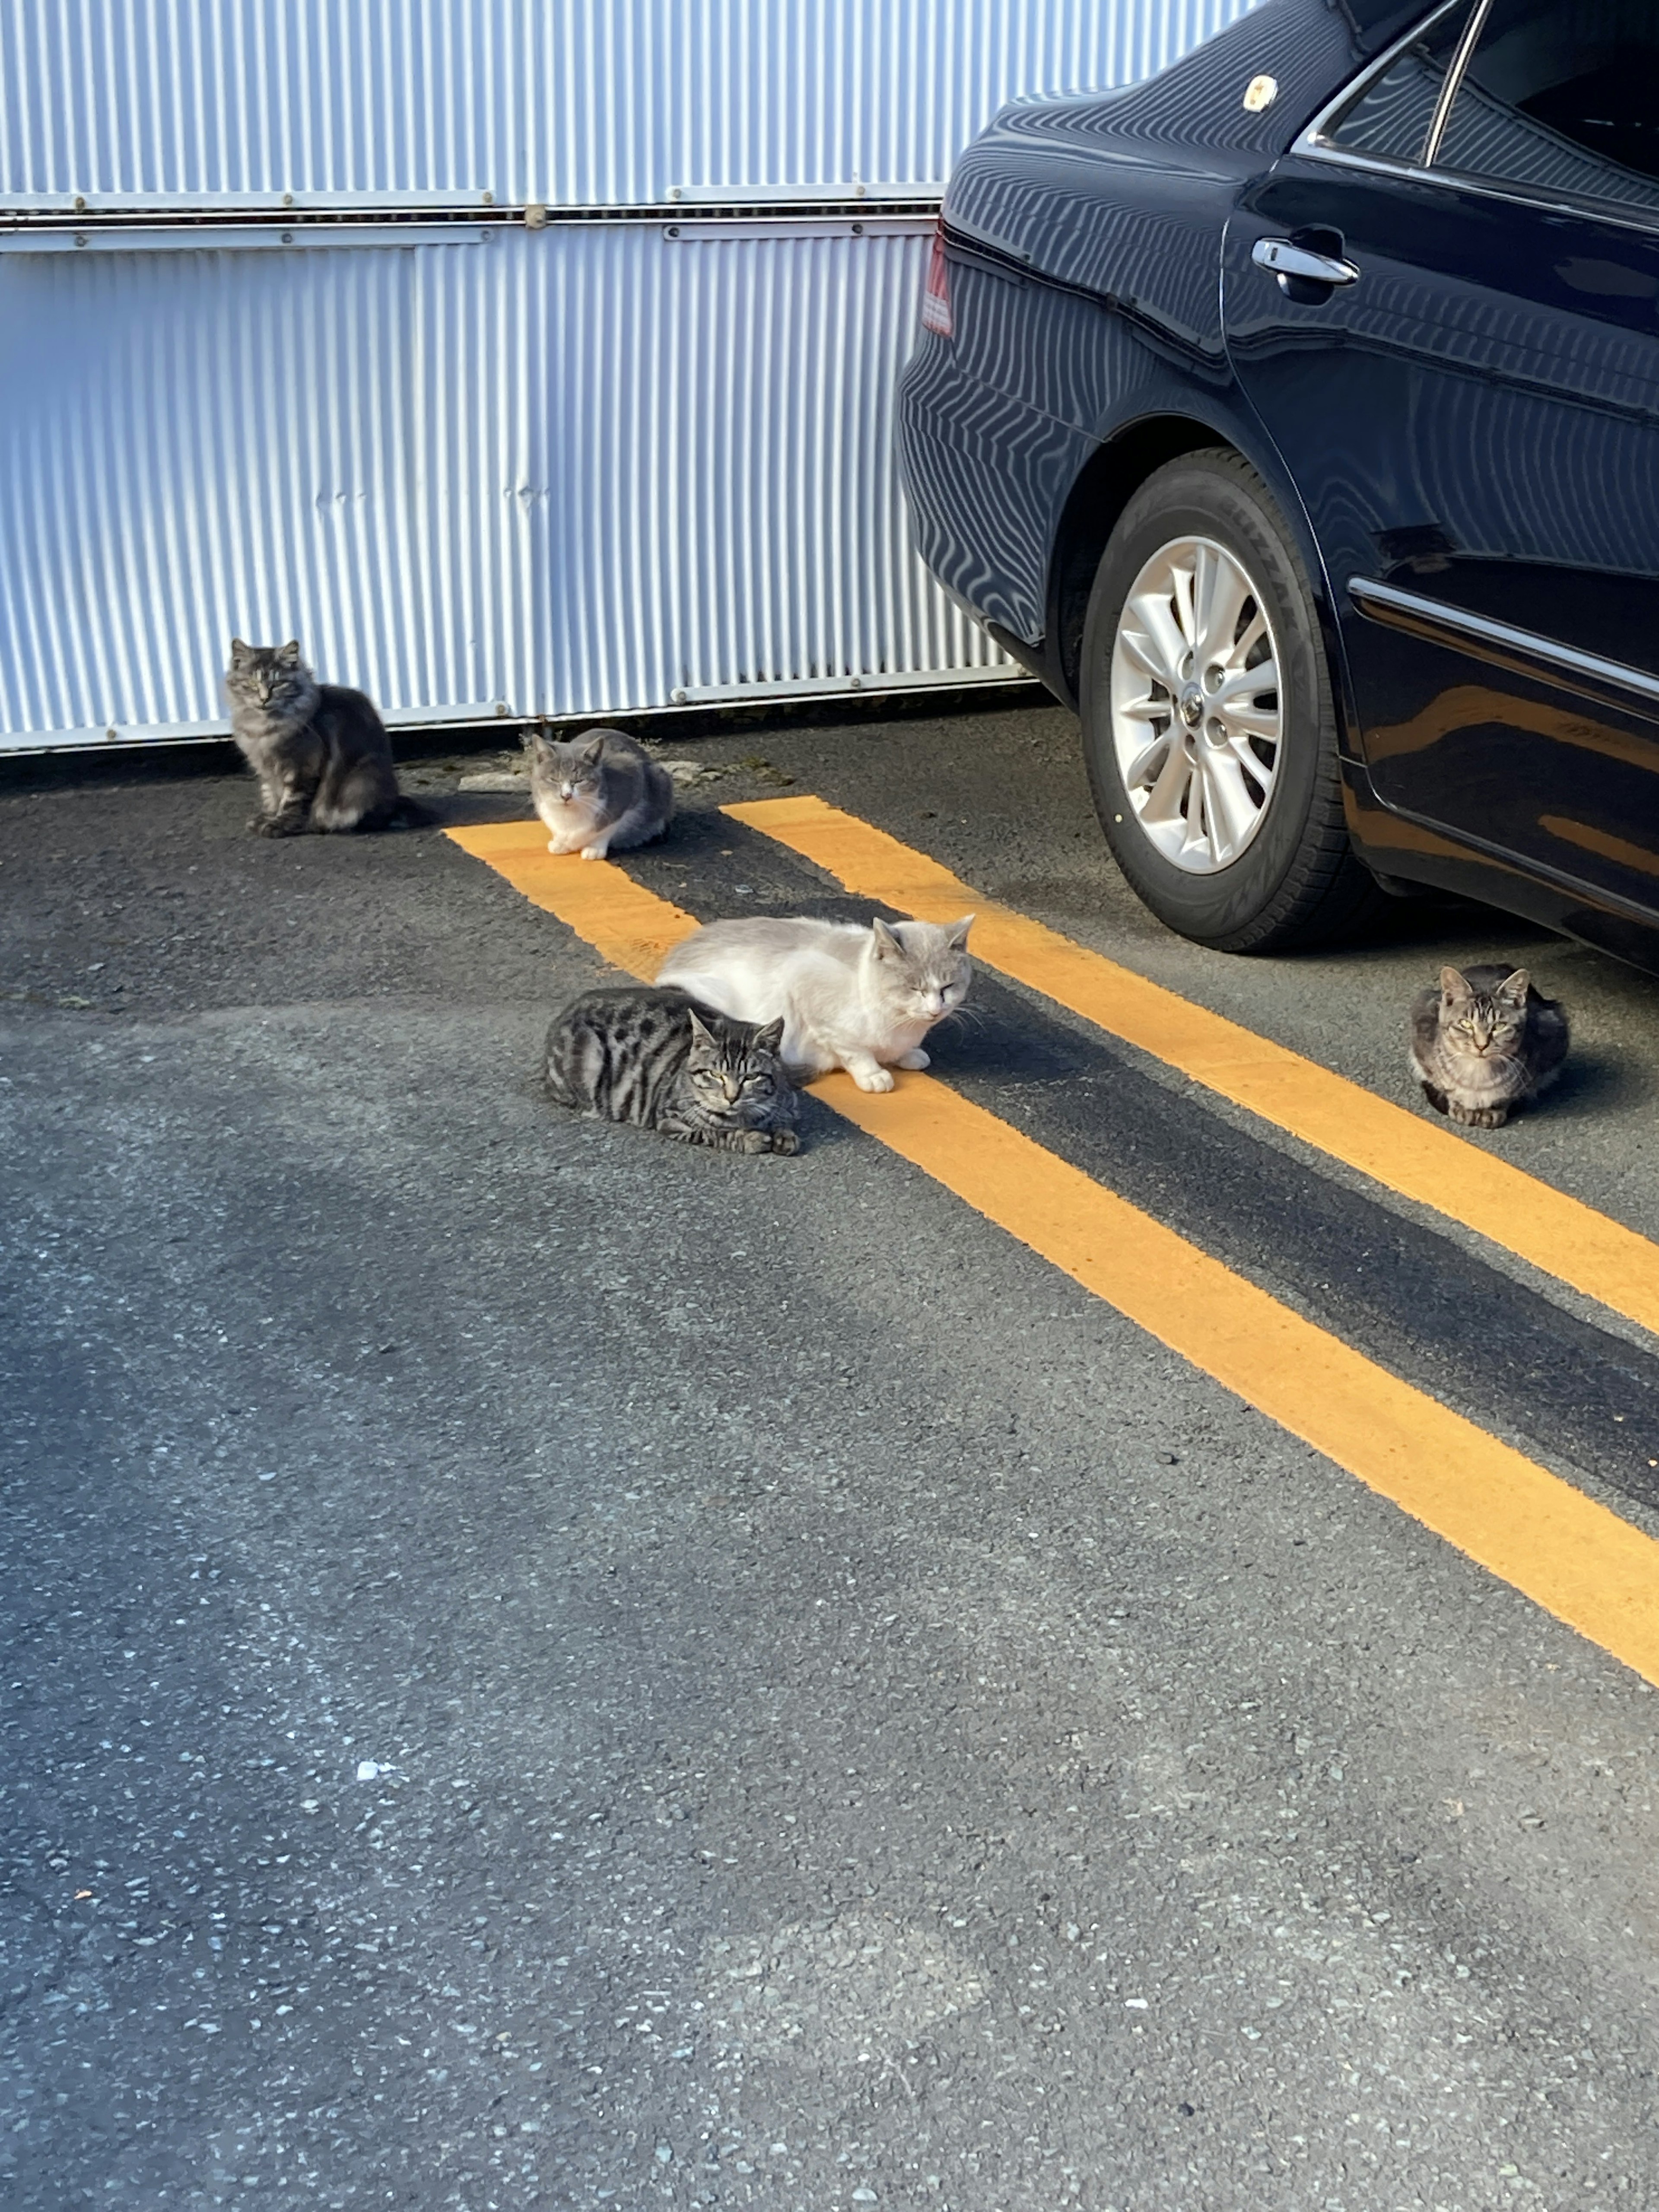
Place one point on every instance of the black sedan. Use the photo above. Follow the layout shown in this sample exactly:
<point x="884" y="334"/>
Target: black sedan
<point x="1295" y="416"/>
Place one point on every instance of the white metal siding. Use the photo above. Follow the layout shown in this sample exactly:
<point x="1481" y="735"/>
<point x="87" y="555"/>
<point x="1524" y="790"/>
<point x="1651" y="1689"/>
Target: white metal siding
<point x="588" y="468"/>
<point x="572" y="470"/>
<point x="579" y="103"/>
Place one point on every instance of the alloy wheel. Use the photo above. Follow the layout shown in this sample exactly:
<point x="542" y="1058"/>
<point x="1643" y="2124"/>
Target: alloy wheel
<point x="1195" y="706"/>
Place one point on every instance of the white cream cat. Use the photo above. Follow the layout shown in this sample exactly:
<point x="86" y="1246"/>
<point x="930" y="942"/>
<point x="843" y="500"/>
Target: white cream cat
<point x="851" y="996"/>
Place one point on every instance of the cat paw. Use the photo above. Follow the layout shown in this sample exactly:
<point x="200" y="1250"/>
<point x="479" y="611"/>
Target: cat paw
<point x="917" y="1059"/>
<point x="751" y="1140"/>
<point x="274" y="826"/>
<point x="785" y="1140"/>
<point x="1479" y="1117"/>
<point x="872" y="1078"/>
<point x="594" y="852"/>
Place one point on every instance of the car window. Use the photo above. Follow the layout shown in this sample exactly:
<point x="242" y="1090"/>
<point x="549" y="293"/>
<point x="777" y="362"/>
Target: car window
<point x="1563" y="99"/>
<point x="1389" y="118"/>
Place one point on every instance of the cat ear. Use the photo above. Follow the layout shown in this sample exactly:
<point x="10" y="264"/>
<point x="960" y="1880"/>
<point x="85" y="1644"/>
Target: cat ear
<point x="289" y="653"/>
<point x="700" y="1030"/>
<point x="956" y="935"/>
<point x="1455" y="985"/>
<point x="1514" y="987"/>
<point x="769" y="1038"/>
<point x="591" y="752"/>
<point x="889" y="944"/>
<point x="239" y="652"/>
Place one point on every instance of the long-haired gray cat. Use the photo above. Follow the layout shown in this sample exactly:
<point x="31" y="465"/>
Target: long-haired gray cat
<point x="851" y="996"/>
<point x="320" y="751"/>
<point x="598" y="793"/>
<point x="1484" y="1043"/>
<point x="650" y="1057"/>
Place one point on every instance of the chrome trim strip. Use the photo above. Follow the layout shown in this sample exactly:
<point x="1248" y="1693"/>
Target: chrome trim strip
<point x="1386" y="602"/>
<point x="1453" y="84"/>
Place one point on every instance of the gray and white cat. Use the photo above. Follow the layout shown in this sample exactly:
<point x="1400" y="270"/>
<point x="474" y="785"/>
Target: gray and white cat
<point x="1484" y="1043"/>
<point x="320" y="751"/>
<point x="597" y="793"/>
<point x="650" y="1057"/>
<point x="848" y="996"/>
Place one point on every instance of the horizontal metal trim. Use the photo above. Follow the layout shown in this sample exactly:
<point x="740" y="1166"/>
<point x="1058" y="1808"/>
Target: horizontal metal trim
<point x="838" y="687"/>
<point x="242" y="237"/>
<point x="733" y="229"/>
<point x="384" y="213"/>
<point x="462" y="714"/>
<point x="1545" y="657"/>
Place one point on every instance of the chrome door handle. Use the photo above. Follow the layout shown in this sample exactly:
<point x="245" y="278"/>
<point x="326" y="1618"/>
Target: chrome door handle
<point x="1286" y="259"/>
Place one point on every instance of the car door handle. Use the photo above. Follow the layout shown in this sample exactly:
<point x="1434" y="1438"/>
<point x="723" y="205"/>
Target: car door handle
<point x="1285" y="259"/>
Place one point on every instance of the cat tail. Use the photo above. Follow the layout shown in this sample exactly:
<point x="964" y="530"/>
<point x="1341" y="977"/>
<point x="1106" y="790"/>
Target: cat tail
<point x="410" y="814"/>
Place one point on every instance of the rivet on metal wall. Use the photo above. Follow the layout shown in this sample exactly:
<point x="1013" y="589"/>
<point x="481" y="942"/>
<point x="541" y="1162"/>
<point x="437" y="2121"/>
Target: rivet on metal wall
<point x="287" y="199"/>
<point x="676" y="698"/>
<point x="80" y="203"/>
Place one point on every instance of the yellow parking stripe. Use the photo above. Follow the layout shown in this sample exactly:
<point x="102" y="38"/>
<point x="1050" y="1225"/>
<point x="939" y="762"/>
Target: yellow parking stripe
<point x="1419" y="1159"/>
<point x="1570" y="1555"/>
<point x="631" y="927"/>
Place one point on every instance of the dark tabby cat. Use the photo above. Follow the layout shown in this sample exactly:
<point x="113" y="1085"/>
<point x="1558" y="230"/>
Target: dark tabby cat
<point x="321" y="752"/>
<point x="1484" y="1043"/>
<point x="650" y="1056"/>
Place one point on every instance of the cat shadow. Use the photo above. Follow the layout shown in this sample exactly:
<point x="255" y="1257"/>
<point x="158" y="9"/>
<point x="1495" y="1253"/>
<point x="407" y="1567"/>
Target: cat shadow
<point x="1593" y="1083"/>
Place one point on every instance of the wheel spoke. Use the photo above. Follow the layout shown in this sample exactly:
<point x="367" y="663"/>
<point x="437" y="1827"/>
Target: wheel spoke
<point x="1226" y="589"/>
<point x="1163" y="635"/>
<point x="1251" y="762"/>
<point x="1251" y="721"/>
<point x="1142" y="771"/>
<point x="1164" y="799"/>
<point x="1240" y="651"/>
<point x="1247" y="682"/>
<point x="1233" y="812"/>
<point x="1148" y="709"/>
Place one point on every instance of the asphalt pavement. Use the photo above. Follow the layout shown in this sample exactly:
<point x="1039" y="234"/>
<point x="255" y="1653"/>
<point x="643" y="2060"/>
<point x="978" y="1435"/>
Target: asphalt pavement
<point x="549" y="1669"/>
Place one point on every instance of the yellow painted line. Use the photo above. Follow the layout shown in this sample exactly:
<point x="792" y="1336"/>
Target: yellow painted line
<point x="630" y="926"/>
<point x="1567" y="1553"/>
<point x="1420" y="1159"/>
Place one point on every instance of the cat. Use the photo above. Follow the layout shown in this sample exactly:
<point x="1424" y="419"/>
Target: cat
<point x="1483" y="1042"/>
<point x="598" y="792"/>
<point x="848" y="996"/>
<point x="652" y="1057"/>
<point x="320" y="751"/>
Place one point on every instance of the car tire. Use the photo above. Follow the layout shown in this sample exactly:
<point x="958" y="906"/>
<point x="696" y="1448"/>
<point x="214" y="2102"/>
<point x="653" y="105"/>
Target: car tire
<point x="1250" y="853"/>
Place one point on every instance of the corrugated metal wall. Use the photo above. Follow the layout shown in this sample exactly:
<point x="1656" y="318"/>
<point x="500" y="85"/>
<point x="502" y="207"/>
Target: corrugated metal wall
<point x="605" y="465"/>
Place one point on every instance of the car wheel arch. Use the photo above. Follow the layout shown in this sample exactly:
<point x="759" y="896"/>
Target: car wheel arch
<point x="1107" y="483"/>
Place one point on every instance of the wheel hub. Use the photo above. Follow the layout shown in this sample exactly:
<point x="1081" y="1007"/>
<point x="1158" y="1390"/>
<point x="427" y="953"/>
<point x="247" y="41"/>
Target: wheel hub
<point x="1192" y="706"/>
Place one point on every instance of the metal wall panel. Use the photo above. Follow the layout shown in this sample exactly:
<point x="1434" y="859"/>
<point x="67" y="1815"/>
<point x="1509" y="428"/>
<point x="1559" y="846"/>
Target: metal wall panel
<point x="594" y="468"/>
<point x="578" y="103"/>
<point x="575" y="470"/>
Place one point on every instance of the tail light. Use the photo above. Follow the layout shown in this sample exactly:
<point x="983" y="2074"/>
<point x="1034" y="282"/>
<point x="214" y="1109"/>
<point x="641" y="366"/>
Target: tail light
<point x="936" y="292"/>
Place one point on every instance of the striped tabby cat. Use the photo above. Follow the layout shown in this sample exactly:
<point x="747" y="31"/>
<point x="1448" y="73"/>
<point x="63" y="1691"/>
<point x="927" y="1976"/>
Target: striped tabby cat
<point x="650" y="1056"/>
<point x="1483" y="1042"/>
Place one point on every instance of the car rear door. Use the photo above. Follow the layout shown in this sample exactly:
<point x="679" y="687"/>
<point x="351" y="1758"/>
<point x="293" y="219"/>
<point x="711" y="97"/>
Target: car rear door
<point x="1463" y="381"/>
